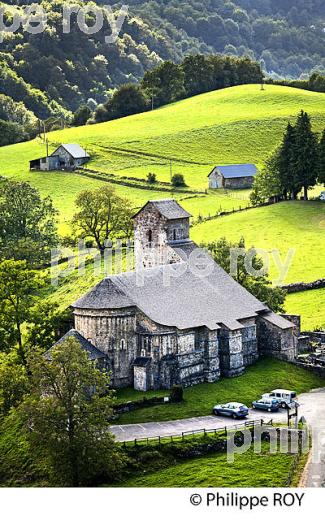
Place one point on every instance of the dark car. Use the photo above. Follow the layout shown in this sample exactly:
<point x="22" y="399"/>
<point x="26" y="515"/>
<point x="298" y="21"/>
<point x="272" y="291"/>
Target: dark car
<point x="271" y="405"/>
<point x="234" y="410"/>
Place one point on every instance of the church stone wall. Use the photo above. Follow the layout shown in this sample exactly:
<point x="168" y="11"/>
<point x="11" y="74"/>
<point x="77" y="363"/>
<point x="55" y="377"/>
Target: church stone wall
<point x="231" y="353"/>
<point x="112" y="332"/>
<point x="150" y="240"/>
<point x="249" y="339"/>
<point x="178" y="229"/>
<point x="276" y="342"/>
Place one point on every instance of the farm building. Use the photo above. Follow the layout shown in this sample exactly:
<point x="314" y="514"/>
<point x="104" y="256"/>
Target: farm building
<point x="65" y="157"/>
<point x="232" y="176"/>
<point x="179" y="318"/>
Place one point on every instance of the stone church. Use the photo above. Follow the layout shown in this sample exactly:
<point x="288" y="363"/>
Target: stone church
<point x="178" y="318"/>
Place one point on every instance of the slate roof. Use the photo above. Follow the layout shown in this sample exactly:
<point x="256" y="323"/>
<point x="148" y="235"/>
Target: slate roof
<point x="278" y="321"/>
<point x="234" y="171"/>
<point x="178" y="296"/>
<point x="105" y="295"/>
<point x="168" y="208"/>
<point x="142" y="361"/>
<point x="75" y="150"/>
<point x="93" y="352"/>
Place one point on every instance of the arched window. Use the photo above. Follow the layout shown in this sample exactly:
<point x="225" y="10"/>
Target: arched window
<point x="174" y="234"/>
<point x="150" y="237"/>
<point x="123" y="344"/>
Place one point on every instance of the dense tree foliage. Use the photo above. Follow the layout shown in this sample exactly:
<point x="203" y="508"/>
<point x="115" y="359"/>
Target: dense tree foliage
<point x="19" y="287"/>
<point x="257" y="281"/>
<point x="170" y="82"/>
<point x="298" y="164"/>
<point x="102" y="216"/>
<point x="51" y="78"/>
<point x="127" y="100"/>
<point x="54" y="417"/>
<point x="14" y="382"/>
<point x="28" y="228"/>
<point x="67" y="415"/>
<point x="322" y="158"/>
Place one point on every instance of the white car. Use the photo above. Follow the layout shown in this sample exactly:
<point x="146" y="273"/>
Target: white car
<point x="285" y="397"/>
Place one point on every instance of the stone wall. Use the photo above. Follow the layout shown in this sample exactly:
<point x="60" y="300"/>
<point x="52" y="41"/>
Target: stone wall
<point x="249" y="339"/>
<point x="276" y="342"/>
<point x="231" y="353"/>
<point x="112" y="332"/>
<point x="150" y="239"/>
<point x="178" y="229"/>
<point x="305" y="286"/>
<point x="239" y="183"/>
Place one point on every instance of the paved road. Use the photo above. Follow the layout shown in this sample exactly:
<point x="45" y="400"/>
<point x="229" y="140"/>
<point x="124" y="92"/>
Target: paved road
<point x="137" y="431"/>
<point x="313" y="409"/>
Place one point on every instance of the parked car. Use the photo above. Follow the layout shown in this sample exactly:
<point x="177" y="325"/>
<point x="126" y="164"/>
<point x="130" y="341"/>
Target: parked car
<point x="285" y="397"/>
<point x="234" y="410"/>
<point x="266" y="403"/>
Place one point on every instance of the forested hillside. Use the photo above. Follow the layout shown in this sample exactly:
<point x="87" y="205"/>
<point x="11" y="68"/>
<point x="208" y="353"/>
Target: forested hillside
<point x="54" y="72"/>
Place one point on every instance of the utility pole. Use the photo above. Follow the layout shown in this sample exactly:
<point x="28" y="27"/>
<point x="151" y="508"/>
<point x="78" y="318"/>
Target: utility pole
<point x="171" y="170"/>
<point x="152" y="100"/>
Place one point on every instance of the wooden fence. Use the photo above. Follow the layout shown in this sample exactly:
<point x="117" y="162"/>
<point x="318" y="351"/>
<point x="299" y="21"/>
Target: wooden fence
<point x="192" y="433"/>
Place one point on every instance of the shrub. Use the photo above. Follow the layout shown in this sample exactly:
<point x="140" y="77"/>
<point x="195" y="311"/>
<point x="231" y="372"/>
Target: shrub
<point x="151" y="178"/>
<point x="178" y="180"/>
<point x="176" y="394"/>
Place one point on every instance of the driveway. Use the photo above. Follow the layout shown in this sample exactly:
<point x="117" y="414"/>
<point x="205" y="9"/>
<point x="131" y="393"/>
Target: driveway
<point x="130" y="432"/>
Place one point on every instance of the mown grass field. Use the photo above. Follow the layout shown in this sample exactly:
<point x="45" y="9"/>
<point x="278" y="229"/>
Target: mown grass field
<point x="310" y="305"/>
<point x="199" y="400"/>
<point x="296" y="225"/>
<point x="239" y="124"/>
<point x="248" y="470"/>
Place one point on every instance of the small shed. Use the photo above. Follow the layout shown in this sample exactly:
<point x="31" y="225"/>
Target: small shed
<point x="65" y="157"/>
<point x="232" y="176"/>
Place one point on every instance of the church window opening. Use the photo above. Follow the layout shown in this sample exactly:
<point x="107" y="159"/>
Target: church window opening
<point x="150" y="237"/>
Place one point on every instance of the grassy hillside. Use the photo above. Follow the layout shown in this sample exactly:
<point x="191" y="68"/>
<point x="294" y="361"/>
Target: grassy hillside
<point x="295" y="225"/>
<point x="310" y="305"/>
<point x="227" y="126"/>
<point x="248" y="470"/>
<point x="239" y="124"/>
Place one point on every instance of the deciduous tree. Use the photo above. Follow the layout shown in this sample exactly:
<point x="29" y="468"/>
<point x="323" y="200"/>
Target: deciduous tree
<point x="67" y="416"/>
<point x="28" y="226"/>
<point x="102" y="216"/>
<point x="19" y="287"/>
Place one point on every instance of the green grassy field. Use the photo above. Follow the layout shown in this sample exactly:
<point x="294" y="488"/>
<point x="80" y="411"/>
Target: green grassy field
<point x="310" y="305"/>
<point x="296" y="225"/>
<point x="263" y="377"/>
<point x="248" y="470"/>
<point x="239" y="124"/>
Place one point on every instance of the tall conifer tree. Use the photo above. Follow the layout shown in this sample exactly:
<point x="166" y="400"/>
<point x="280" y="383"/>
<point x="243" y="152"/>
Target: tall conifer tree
<point x="321" y="172"/>
<point x="286" y="167"/>
<point x="306" y="154"/>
